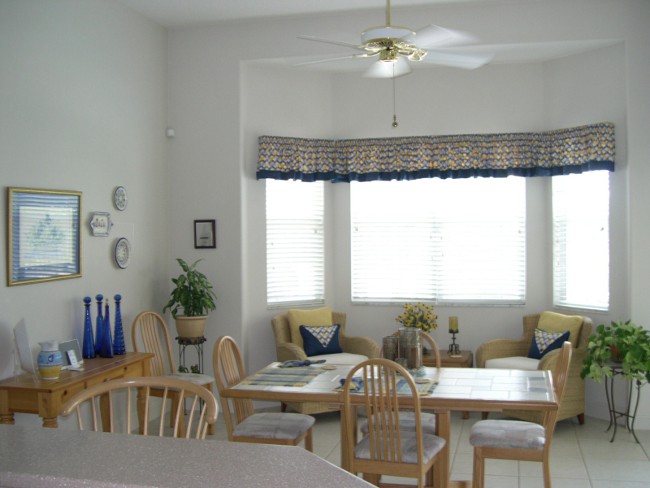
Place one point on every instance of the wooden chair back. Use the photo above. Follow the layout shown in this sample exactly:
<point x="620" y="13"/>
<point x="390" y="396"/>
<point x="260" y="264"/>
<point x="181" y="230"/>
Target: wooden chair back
<point x="125" y="405"/>
<point x="382" y="399"/>
<point x="150" y="334"/>
<point x="560" y="375"/>
<point x="229" y="369"/>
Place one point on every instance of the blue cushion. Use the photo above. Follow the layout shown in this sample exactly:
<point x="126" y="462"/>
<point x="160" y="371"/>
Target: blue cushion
<point x="545" y="342"/>
<point x="320" y="339"/>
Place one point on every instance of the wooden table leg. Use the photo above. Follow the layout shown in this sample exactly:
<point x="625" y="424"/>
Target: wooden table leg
<point x="6" y="415"/>
<point x="441" y="469"/>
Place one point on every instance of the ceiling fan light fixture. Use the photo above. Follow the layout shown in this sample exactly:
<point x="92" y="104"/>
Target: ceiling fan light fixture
<point x="388" y="56"/>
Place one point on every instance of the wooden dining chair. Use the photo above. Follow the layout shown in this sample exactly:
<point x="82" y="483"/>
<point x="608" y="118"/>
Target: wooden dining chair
<point x="242" y="423"/>
<point x="150" y="334"/>
<point x="387" y="449"/>
<point x="407" y="420"/>
<point x="124" y="405"/>
<point x="517" y="439"/>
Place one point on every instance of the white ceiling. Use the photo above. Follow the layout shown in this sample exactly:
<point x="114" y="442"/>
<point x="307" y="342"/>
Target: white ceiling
<point x="183" y="13"/>
<point x="187" y="13"/>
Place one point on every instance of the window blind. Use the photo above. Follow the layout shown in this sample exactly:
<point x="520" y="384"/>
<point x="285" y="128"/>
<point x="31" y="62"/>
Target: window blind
<point x="295" y="242"/>
<point x="581" y="240"/>
<point x="448" y="241"/>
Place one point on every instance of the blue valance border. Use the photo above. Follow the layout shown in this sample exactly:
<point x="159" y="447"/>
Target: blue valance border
<point x="550" y="153"/>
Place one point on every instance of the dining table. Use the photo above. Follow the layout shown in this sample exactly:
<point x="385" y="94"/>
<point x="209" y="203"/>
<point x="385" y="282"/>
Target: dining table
<point x="448" y="390"/>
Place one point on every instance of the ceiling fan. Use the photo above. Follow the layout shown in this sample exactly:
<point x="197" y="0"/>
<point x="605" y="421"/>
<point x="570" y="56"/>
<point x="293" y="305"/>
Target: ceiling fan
<point x="394" y="47"/>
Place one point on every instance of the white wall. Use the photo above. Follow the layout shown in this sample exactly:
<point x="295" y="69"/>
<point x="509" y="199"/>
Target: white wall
<point x="84" y="108"/>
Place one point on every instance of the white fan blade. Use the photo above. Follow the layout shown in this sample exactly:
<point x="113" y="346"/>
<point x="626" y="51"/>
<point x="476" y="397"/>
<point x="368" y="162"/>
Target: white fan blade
<point x="436" y="36"/>
<point x="381" y="69"/>
<point x="457" y="60"/>
<point x="328" y="41"/>
<point x="337" y="58"/>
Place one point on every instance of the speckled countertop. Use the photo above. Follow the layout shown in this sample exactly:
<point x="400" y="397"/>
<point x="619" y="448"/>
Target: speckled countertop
<point x="35" y="457"/>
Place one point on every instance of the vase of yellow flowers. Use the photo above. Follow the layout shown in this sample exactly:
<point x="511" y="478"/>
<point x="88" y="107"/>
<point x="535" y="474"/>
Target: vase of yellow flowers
<point x="416" y="317"/>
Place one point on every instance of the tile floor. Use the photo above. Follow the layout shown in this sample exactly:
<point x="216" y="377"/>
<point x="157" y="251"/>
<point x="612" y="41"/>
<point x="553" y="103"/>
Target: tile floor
<point x="581" y="455"/>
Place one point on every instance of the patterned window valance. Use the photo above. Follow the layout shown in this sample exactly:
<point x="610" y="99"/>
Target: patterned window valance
<point x="555" y="152"/>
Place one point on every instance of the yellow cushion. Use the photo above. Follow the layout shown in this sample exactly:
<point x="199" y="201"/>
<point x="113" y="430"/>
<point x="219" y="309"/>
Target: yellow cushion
<point x="317" y="316"/>
<point x="556" y="322"/>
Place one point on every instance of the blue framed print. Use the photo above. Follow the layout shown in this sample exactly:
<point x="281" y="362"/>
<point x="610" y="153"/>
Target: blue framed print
<point x="43" y="235"/>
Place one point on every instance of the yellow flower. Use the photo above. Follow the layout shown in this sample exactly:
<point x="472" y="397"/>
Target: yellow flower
<point x="418" y="315"/>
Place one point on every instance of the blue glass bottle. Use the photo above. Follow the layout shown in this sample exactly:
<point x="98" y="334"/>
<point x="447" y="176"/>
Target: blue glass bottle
<point x="118" y="337"/>
<point x="99" y="325"/>
<point x="89" y="343"/>
<point x="106" y="350"/>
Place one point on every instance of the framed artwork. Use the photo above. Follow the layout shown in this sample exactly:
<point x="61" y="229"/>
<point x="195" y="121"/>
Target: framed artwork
<point x="205" y="235"/>
<point x="43" y="235"/>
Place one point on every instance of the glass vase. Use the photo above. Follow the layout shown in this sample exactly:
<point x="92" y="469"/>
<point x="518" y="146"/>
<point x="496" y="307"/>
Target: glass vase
<point x="106" y="350"/>
<point x="118" y="336"/>
<point x="89" y="342"/>
<point x="99" y="325"/>
<point x="410" y="345"/>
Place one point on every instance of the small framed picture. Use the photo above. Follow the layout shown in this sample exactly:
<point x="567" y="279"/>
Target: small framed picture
<point x="205" y="235"/>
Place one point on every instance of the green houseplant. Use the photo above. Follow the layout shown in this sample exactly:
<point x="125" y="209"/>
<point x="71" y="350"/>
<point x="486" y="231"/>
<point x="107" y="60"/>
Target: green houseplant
<point x="621" y="342"/>
<point x="190" y="300"/>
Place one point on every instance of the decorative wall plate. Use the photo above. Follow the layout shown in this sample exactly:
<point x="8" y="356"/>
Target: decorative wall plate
<point x="100" y="224"/>
<point x="119" y="198"/>
<point x="122" y="252"/>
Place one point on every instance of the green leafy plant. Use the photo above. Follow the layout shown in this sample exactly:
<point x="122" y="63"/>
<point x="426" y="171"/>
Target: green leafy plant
<point x="418" y="315"/>
<point x="193" y="295"/>
<point x="623" y="343"/>
<point x="193" y="369"/>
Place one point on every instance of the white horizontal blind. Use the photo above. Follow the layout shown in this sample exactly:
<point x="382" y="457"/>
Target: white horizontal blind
<point x="439" y="240"/>
<point x="581" y="240"/>
<point x="295" y="250"/>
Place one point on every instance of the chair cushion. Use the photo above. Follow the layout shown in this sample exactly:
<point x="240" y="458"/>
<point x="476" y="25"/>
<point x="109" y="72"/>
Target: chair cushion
<point x="407" y="423"/>
<point x="318" y="316"/>
<point x="274" y="425"/>
<point x="431" y="444"/>
<point x="557" y="322"/>
<point x="514" y="362"/>
<point x="341" y="358"/>
<point x="320" y="339"/>
<point x="197" y="379"/>
<point x="515" y="434"/>
<point x="545" y="342"/>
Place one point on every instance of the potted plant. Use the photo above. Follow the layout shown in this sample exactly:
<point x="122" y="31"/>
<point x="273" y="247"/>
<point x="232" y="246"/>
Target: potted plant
<point x="624" y="343"/>
<point x="191" y="300"/>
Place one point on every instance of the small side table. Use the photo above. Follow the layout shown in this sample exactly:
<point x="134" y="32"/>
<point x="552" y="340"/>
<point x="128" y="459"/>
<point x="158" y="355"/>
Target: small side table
<point x="614" y="414"/>
<point x="197" y="343"/>
<point x="464" y="360"/>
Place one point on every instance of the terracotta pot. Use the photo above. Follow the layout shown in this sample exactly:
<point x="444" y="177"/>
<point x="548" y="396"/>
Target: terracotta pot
<point x="190" y="326"/>
<point x="616" y="354"/>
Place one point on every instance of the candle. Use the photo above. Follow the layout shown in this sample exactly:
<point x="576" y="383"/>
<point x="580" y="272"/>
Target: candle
<point x="453" y="325"/>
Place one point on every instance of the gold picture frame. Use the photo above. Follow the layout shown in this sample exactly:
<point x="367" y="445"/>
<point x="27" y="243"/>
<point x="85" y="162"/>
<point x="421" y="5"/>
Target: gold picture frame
<point x="43" y="235"/>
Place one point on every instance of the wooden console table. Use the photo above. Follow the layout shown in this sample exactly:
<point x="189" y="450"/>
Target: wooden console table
<point x="29" y="394"/>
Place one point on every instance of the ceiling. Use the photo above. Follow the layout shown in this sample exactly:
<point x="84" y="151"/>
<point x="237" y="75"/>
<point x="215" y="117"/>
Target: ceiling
<point x="183" y="13"/>
<point x="187" y="13"/>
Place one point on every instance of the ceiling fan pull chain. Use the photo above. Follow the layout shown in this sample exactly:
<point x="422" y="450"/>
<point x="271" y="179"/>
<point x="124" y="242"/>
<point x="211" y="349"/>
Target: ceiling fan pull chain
<point x="395" y="124"/>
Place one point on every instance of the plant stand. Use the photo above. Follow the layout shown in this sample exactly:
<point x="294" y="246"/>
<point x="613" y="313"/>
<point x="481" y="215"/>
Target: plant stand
<point x="197" y="343"/>
<point x="615" y="414"/>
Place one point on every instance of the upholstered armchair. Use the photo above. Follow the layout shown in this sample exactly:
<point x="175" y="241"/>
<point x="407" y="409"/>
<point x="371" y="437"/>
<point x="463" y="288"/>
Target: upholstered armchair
<point x="289" y="345"/>
<point x="513" y="353"/>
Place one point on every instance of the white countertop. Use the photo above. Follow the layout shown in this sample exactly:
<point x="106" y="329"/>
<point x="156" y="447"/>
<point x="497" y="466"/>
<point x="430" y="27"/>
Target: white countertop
<point x="35" y="457"/>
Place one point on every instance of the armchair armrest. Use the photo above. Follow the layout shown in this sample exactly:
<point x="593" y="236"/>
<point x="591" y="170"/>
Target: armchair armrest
<point x="287" y="350"/>
<point x="501" y="348"/>
<point x="360" y="345"/>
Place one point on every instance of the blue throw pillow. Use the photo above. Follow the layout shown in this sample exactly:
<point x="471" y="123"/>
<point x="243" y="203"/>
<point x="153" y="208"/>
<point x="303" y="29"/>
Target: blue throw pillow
<point x="320" y="339"/>
<point x="545" y="342"/>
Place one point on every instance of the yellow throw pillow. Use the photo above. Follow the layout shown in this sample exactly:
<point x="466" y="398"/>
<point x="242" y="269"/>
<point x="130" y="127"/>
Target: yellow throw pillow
<point x="317" y="316"/>
<point x="557" y="322"/>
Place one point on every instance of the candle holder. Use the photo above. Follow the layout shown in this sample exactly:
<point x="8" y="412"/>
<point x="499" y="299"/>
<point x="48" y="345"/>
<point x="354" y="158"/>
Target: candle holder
<point x="454" y="349"/>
